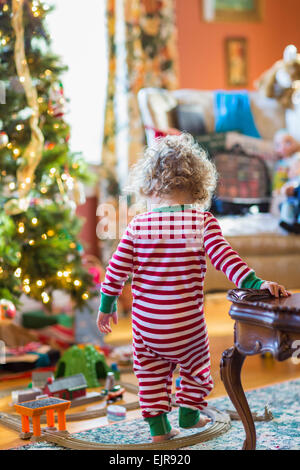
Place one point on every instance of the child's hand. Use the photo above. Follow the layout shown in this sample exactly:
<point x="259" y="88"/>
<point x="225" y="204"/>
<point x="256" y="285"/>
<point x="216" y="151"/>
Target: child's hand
<point x="275" y="289"/>
<point x="103" y="321"/>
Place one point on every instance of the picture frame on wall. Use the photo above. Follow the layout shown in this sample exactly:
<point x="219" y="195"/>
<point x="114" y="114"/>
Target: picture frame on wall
<point x="232" y="10"/>
<point x="236" y="59"/>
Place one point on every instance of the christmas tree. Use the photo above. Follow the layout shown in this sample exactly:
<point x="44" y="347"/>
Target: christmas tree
<point x="41" y="180"/>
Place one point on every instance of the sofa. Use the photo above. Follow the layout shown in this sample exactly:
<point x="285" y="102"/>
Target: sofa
<point x="258" y="238"/>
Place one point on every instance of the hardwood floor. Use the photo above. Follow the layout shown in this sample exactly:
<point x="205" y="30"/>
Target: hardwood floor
<point x="257" y="371"/>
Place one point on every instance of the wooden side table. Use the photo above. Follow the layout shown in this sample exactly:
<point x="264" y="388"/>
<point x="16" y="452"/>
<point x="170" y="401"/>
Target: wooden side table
<point x="263" y="323"/>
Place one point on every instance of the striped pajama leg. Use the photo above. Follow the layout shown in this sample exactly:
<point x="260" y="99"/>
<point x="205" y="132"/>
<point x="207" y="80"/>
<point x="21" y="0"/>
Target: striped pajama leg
<point x="155" y="387"/>
<point x="194" y="389"/>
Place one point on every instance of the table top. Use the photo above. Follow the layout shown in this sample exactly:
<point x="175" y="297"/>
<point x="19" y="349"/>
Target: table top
<point x="263" y="299"/>
<point x="37" y="407"/>
<point x="42" y="402"/>
<point x="260" y="307"/>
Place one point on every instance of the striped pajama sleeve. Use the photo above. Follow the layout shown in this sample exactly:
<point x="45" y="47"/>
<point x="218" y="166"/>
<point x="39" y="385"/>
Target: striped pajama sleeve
<point x="221" y="254"/>
<point x="117" y="272"/>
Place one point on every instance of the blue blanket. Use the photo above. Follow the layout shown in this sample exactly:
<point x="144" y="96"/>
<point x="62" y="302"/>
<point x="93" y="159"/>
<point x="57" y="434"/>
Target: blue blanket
<point x="233" y="113"/>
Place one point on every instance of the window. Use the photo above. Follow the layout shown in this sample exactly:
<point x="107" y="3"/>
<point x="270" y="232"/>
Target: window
<point x="77" y="29"/>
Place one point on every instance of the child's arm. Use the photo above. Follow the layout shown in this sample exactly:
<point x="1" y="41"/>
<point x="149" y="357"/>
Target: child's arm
<point x="225" y="259"/>
<point x="118" y="270"/>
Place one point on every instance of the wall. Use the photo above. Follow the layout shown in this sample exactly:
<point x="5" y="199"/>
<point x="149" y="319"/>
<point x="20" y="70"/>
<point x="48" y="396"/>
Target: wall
<point x="201" y="44"/>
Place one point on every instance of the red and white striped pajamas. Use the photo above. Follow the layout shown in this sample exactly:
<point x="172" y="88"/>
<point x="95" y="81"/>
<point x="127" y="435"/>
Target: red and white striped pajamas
<point x="165" y="250"/>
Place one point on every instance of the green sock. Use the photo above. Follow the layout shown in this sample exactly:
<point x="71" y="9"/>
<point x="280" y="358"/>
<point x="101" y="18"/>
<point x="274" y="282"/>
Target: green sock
<point x="188" y="417"/>
<point x="159" y="425"/>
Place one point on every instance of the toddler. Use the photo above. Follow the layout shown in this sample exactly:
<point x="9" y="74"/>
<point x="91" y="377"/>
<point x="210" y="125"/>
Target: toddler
<point x="287" y="169"/>
<point x="287" y="180"/>
<point x="165" y="251"/>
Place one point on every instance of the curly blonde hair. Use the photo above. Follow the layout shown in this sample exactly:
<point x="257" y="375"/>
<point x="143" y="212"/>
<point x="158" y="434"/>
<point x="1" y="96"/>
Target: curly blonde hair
<point x="174" y="163"/>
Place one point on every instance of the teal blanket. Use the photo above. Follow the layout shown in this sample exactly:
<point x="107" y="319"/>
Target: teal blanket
<point x="233" y="113"/>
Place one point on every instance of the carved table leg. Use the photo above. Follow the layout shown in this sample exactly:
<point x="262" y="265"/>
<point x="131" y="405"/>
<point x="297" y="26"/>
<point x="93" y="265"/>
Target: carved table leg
<point x="231" y="365"/>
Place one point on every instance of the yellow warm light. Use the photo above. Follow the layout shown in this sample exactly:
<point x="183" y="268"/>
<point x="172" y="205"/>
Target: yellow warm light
<point x="12" y="186"/>
<point x="59" y="274"/>
<point x="18" y="272"/>
<point x="1" y="270"/>
<point x="34" y="221"/>
<point x="21" y="228"/>
<point x="16" y="152"/>
<point x="77" y="283"/>
<point x="85" y="296"/>
<point x="5" y="7"/>
<point x="50" y="233"/>
<point x="44" y="236"/>
<point x="52" y="171"/>
<point x="31" y="242"/>
<point x="45" y="297"/>
<point x="40" y="283"/>
<point x="26" y="281"/>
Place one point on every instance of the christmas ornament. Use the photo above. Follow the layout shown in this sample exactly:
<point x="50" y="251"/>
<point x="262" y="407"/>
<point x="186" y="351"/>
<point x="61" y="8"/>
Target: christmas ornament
<point x="57" y="102"/>
<point x="49" y="145"/>
<point x="7" y="309"/>
<point x="3" y="139"/>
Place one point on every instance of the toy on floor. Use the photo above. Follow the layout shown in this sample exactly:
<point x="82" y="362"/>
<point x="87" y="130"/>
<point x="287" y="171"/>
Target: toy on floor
<point x="177" y="383"/>
<point x="68" y="388"/>
<point x="83" y="359"/>
<point x="39" y="379"/>
<point x="112" y="392"/>
<point x="73" y="388"/>
<point x="116" y="413"/>
<point x="34" y="409"/>
<point x="26" y="394"/>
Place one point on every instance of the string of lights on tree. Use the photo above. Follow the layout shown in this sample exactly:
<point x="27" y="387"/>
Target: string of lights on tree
<point x="41" y="181"/>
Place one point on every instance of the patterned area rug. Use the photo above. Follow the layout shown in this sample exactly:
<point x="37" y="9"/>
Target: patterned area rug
<point x="282" y="433"/>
